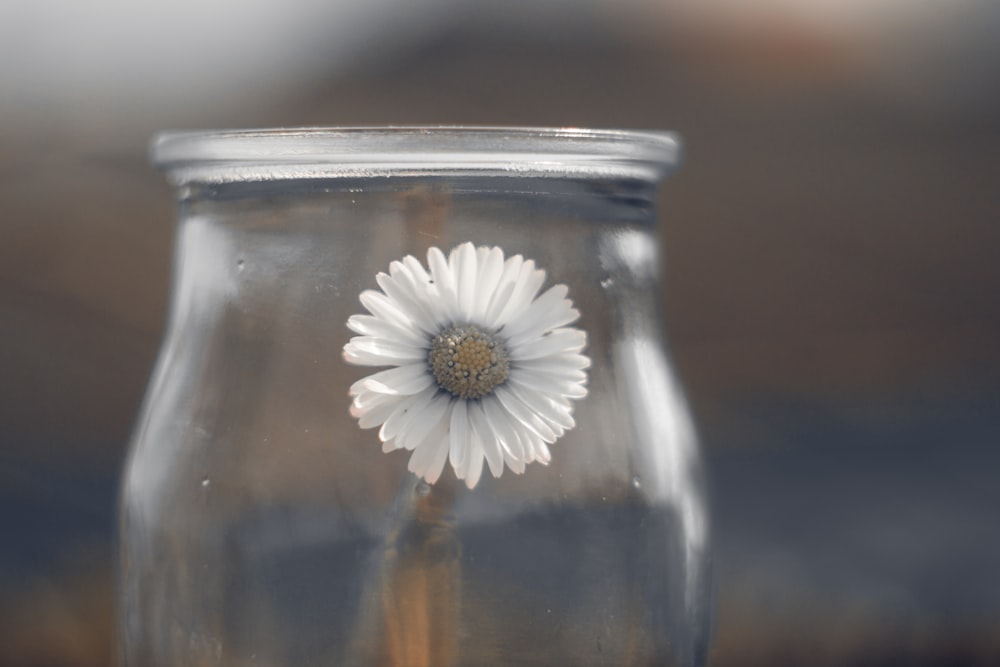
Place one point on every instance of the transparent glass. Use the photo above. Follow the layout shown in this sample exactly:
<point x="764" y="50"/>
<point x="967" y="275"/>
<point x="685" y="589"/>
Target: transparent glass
<point x="261" y="526"/>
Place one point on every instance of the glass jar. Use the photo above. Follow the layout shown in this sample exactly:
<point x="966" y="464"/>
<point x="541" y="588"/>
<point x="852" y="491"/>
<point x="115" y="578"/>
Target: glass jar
<point x="262" y="525"/>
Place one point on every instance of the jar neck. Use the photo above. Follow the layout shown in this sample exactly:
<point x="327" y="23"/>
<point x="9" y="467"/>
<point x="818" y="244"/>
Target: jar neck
<point x="289" y="258"/>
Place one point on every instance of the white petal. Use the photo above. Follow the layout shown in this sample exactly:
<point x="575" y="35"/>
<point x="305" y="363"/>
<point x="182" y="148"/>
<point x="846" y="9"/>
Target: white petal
<point x="487" y="438"/>
<point x="362" y="357"/>
<point x="502" y="425"/>
<point x="404" y="296"/>
<point x="435" y="455"/>
<point x="414" y="428"/>
<point x="497" y="304"/>
<point x="543" y="368"/>
<point x="428" y="293"/>
<point x="490" y="269"/>
<point x="400" y="272"/>
<point x="459" y="436"/>
<point x="367" y="400"/>
<point x="547" y="312"/>
<point x="364" y="399"/>
<point x="558" y="342"/>
<point x="555" y="413"/>
<point x="548" y="377"/>
<point x="369" y="325"/>
<point x="383" y="307"/>
<point x="464" y="266"/>
<point x="438" y="461"/>
<point x="528" y="283"/>
<point x="503" y="291"/>
<point x="535" y="448"/>
<point x="397" y="421"/>
<point x="374" y="412"/>
<point x="549" y="299"/>
<point x="444" y="282"/>
<point x="417" y="286"/>
<point x="428" y="459"/>
<point x="371" y="351"/>
<point x="515" y="463"/>
<point x="524" y="414"/>
<point x="399" y="381"/>
<point x="423" y="422"/>
<point x="557" y="361"/>
<point x="473" y="462"/>
<point x="549" y="384"/>
<point x="550" y="321"/>
<point x="417" y="269"/>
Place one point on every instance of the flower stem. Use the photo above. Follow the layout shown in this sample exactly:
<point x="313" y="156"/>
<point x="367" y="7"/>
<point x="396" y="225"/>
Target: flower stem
<point x="413" y="601"/>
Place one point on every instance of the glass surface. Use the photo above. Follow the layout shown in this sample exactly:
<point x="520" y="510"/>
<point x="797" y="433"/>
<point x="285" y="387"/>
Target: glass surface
<point x="261" y="526"/>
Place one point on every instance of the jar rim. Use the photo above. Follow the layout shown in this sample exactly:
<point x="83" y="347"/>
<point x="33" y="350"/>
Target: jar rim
<point x="218" y="156"/>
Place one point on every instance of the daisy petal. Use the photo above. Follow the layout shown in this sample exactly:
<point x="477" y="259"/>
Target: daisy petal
<point x="503" y="290"/>
<point x="487" y="438"/>
<point x="524" y="414"/>
<point x="515" y="463"/>
<point x="369" y="325"/>
<point x="497" y="303"/>
<point x="553" y="380"/>
<point x="417" y="284"/>
<point x="490" y="269"/>
<point x="464" y="267"/>
<point x="473" y="461"/>
<point x="375" y="412"/>
<point x="428" y="459"/>
<point x="382" y="307"/>
<point x="423" y="422"/>
<point x="417" y="270"/>
<point x="414" y="427"/>
<point x="557" y="362"/>
<point x="540" y="370"/>
<point x="394" y="424"/>
<point x="528" y="445"/>
<point x="444" y="282"/>
<point x="362" y="357"/>
<point x="548" y="409"/>
<point x="406" y="298"/>
<point x="553" y="299"/>
<point x="502" y="424"/>
<point x="549" y="384"/>
<point x="528" y="283"/>
<point x="437" y="463"/>
<point x="372" y="351"/>
<point x="559" y="341"/>
<point x="558" y="316"/>
<point x="459" y="436"/>
<point x="399" y="381"/>
<point x="548" y="312"/>
<point x="366" y="400"/>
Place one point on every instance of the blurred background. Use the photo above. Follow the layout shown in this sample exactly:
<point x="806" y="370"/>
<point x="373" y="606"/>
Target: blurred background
<point x="831" y="275"/>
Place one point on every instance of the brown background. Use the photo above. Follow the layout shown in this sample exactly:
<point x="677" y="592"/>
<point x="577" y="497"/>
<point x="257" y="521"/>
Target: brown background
<point x="831" y="285"/>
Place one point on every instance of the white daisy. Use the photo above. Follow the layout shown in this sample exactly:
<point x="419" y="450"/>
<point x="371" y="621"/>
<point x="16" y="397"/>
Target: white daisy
<point x="481" y="368"/>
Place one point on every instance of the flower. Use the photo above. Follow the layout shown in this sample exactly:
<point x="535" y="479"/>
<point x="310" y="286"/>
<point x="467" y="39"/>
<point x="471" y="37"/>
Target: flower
<point x="483" y="368"/>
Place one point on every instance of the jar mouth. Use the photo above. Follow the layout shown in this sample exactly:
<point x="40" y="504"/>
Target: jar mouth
<point x="351" y="152"/>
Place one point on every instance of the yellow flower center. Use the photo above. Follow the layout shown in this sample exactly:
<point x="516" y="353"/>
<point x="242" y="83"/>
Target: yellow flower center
<point x="467" y="361"/>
